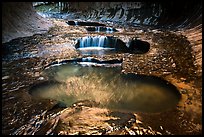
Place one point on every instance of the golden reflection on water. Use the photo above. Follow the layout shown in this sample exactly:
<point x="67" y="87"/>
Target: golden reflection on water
<point x="107" y="87"/>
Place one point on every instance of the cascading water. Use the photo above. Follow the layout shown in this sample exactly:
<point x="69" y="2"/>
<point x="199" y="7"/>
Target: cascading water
<point x="95" y="42"/>
<point x="101" y="41"/>
<point x="101" y="29"/>
<point x="100" y="45"/>
<point x="76" y="23"/>
<point x="97" y="29"/>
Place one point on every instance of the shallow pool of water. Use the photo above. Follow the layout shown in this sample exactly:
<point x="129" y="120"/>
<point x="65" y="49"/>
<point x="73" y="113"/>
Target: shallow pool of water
<point x="72" y="82"/>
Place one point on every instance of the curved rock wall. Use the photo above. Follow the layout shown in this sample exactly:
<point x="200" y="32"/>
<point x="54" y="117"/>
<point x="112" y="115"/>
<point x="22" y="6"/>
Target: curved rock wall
<point x="183" y="18"/>
<point x="181" y="15"/>
<point x="19" y="19"/>
<point x="120" y="12"/>
<point x="168" y="14"/>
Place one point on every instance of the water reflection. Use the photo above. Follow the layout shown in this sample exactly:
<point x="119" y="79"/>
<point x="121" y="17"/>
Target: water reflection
<point x="107" y="86"/>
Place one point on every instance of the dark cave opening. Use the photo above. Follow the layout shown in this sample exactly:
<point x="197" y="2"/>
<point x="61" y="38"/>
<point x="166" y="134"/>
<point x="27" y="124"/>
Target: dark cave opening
<point x="138" y="46"/>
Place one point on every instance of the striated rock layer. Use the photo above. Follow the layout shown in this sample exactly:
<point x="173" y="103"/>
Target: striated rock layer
<point x="19" y="19"/>
<point x="182" y="18"/>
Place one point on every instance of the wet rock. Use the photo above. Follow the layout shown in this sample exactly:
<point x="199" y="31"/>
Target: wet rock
<point x="5" y="77"/>
<point x="173" y="65"/>
<point x="41" y="78"/>
<point x="37" y="74"/>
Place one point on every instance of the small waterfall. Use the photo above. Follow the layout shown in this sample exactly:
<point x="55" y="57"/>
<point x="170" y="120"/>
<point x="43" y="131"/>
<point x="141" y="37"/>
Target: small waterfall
<point x="88" y="59"/>
<point x="82" y="42"/>
<point x="97" y="29"/>
<point x="89" y="39"/>
<point x="97" y="41"/>
<point x="100" y="45"/>
<point x="101" y="41"/>
<point x="76" y="23"/>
